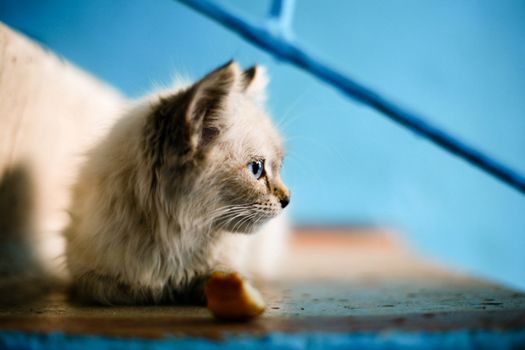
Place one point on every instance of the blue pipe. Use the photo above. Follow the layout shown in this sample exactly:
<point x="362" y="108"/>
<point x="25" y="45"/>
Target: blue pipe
<point x="281" y="13"/>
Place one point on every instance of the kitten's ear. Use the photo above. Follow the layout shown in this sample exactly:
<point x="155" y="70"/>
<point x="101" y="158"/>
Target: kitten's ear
<point x="207" y="101"/>
<point x="188" y="121"/>
<point x="254" y="82"/>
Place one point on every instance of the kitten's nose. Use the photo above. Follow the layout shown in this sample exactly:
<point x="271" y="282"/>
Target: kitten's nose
<point x="284" y="202"/>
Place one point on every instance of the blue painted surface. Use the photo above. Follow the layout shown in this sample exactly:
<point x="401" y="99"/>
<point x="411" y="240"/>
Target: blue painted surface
<point x="462" y="63"/>
<point x="312" y="341"/>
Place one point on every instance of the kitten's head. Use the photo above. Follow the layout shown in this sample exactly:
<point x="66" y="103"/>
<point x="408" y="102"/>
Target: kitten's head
<point x="214" y="154"/>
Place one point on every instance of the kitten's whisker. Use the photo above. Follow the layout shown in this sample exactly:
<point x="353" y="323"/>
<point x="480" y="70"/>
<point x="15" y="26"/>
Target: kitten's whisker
<point x="310" y="170"/>
<point x="283" y="123"/>
<point x="234" y="206"/>
<point x="224" y="212"/>
<point x="233" y="216"/>
<point x="231" y="213"/>
<point x="233" y="219"/>
<point x="247" y="219"/>
<point x="241" y="222"/>
<point x="328" y="148"/>
<point x="256" y="222"/>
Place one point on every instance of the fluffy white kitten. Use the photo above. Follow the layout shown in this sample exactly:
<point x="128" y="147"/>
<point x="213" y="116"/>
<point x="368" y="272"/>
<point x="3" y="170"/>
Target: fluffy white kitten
<point x="161" y="200"/>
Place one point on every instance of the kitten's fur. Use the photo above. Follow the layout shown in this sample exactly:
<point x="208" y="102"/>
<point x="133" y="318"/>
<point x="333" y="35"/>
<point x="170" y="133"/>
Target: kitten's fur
<point x="159" y="196"/>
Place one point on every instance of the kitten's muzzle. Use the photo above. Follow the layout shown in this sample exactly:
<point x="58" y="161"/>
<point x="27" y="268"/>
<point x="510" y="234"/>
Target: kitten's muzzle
<point x="282" y="194"/>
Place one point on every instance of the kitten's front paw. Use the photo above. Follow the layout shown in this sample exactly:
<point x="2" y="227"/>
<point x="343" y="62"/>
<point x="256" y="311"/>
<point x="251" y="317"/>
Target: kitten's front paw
<point x="230" y="297"/>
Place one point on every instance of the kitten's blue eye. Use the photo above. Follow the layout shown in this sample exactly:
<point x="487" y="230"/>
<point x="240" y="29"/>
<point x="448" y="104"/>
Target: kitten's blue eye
<point x="256" y="168"/>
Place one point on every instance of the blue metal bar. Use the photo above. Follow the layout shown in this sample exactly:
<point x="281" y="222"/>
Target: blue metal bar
<point x="284" y="49"/>
<point x="281" y="13"/>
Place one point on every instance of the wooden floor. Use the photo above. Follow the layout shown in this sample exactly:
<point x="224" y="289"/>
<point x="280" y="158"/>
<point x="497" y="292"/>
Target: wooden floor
<point x="332" y="281"/>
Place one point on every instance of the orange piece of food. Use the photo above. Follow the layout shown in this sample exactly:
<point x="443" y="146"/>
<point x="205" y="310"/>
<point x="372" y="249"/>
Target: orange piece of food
<point x="232" y="298"/>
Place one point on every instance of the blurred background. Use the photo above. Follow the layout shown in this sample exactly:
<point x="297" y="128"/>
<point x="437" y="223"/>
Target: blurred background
<point x="461" y="63"/>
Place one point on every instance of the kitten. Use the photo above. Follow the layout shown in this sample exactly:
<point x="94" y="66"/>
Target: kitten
<point x="157" y="200"/>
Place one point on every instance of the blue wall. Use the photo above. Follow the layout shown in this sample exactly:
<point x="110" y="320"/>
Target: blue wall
<point x="460" y="62"/>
